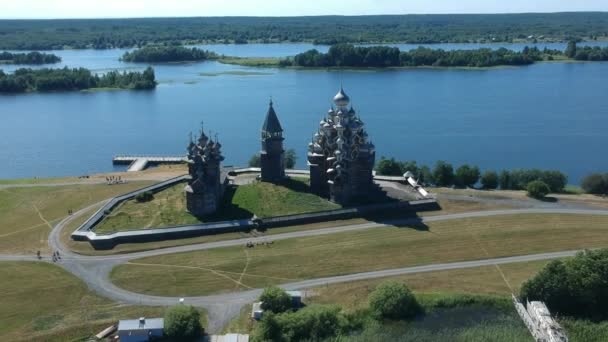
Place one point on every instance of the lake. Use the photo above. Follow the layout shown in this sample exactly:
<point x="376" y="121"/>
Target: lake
<point x="547" y="115"/>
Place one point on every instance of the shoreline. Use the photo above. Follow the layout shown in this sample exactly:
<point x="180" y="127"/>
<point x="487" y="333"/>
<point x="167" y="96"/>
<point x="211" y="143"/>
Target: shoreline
<point x="261" y="42"/>
<point x="274" y="63"/>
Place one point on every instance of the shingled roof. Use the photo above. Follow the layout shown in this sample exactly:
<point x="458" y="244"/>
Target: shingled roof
<point x="272" y="124"/>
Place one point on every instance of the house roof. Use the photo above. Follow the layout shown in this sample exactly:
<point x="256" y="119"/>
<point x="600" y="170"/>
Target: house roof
<point x="134" y="324"/>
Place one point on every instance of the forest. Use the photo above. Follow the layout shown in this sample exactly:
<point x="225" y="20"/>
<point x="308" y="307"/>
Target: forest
<point x="29" y="80"/>
<point x="159" y="54"/>
<point x="417" y="29"/>
<point x="28" y="58"/>
<point x="348" y="55"/>
<point x="587" y="53"/>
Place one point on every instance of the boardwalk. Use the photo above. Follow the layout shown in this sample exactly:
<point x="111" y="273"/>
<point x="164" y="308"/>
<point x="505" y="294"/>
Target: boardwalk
<point x="138" y="163"/>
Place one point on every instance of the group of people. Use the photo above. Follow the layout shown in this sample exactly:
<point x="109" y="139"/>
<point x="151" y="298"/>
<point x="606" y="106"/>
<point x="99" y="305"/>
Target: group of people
<point x="250" y="244"/>
<point x="55" y="257"/>
<point x="114" y="180"/>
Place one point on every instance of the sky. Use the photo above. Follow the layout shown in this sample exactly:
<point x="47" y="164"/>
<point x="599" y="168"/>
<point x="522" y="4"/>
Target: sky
<point x="13" y="9"/>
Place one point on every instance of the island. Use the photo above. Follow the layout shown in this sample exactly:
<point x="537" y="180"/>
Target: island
<point x="352" y="56"/>
<point x="28" y="58"/>
<point x="163" y="54"/>
<point x="30" y="80"/>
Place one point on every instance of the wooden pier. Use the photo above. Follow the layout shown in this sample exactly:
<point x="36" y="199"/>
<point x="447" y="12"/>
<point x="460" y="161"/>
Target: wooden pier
<point x="138" y="163"/>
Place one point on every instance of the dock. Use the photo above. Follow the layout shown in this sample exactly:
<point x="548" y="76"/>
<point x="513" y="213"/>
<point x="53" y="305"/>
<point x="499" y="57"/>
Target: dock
<point x="139" y="163"/>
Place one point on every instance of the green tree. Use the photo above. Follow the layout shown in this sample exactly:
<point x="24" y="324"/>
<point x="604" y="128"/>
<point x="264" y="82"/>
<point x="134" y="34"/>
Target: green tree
<point x="290" y="158"/>
<point x="595" y="183"/>
<point x="312" y="323"/>
<point x="466" y="176"/>
<point x="393" y="300"/>
<point x="149" y="75"/>
<point x="425" y="176"/>
<point x="389" y="167"/>
<point x="555" y="180"/>
<point x="268" y="329"/>
<point x="255" y="161"/>
<point x="571" y="49"/>
<point x="183" y="322"/>
<point x="575" y="286"/>
<point x="275" y="299"/>
<point x="489" y="180"/>
<point x="411" y="167"/>
<point x="443" y="174"/>
<point x="504" y="180"/>
<point x="549" y="285"/>
<point x="537" y="189"/>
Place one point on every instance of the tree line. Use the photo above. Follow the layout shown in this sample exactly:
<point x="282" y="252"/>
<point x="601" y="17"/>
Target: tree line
<point x="156" y="54"/>
<point x="290" y="159"/>
<point x="348" y="55"/>
<point x="27" y="80"/>
<point x="586" y="53"/>
<point x="29" y="58"/>
<point x="444" y="174"/>
<point x="415" y="29"/>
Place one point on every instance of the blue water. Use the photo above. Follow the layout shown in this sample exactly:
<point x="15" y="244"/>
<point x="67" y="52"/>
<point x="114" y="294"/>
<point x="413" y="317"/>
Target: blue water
<point x="548" y="115"/>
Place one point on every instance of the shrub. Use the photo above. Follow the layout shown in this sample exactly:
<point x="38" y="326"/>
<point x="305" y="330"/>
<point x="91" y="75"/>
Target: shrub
<point x="393" y="300"/>
<point x="275" y="299"/>
<point x="183" y="322"/>
<point x="312" y="323"/>
<point x="538" y="189"/>
<point x="144" y="196"/>
<point x="595" y="183"/>
<point x="489" y="180"/>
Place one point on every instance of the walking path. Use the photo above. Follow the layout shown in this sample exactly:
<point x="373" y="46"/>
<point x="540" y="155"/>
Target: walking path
<point x="95" y="270"/>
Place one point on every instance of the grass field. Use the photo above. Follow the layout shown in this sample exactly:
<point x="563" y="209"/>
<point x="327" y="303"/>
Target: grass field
<point x="251" y="61"/>
<point x="228" y="269"/>
<point x="28" y="213"/>
<point x="447" y="207"/>
<point x="572" y="195"/>
<point x="168" y="208"/>
<point x="485" y="280"/>
<point x="235" y="73"/>
<point x="42" y="302"/>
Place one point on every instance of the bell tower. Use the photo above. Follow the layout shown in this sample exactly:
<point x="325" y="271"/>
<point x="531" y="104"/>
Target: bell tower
<point x="272" y="153"/>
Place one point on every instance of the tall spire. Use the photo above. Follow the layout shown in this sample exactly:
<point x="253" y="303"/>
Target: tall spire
<point x="271" y="123"/>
